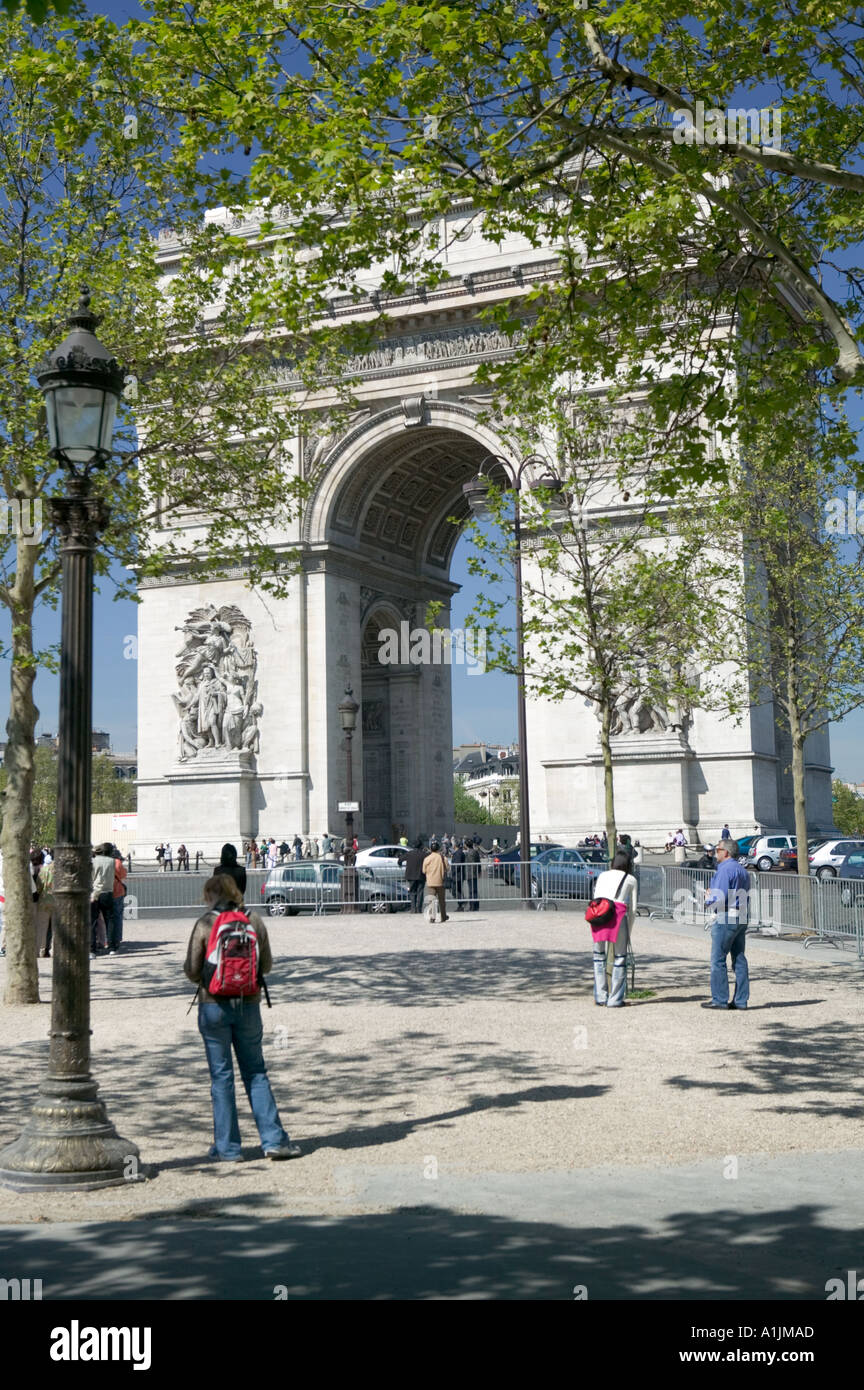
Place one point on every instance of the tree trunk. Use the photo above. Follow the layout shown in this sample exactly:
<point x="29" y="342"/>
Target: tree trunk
<point x="22" y="975"/>
<point x="799" y="798"/>
<point x="608" y="786"/>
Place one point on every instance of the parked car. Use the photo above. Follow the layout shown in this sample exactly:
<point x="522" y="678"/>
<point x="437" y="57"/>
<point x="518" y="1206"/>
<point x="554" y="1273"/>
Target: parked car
<point x="852" y="867"/>
<point x="387" y="862"/>
<point x="764" y="853"/>
<point x="316" y="886"/>
<point x="506" y="863"/>
<point x="744" y="844"/>
<point x="829" y="856"/>
<point x="560" y="873"/>
<point x="789" y="857"/>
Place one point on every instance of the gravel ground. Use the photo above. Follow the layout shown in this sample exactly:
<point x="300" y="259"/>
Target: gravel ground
<point x="468" y="1048"/>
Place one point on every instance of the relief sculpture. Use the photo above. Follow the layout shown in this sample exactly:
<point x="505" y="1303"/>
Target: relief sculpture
<point x="217" y="697"/>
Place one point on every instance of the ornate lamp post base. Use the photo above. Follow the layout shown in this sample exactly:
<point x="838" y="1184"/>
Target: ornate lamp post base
<point x="69" y="1142"/>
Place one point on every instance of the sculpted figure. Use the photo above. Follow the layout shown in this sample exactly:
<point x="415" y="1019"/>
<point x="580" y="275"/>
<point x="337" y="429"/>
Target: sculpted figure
<point x="211" y="707"/>
<point x="218" y="689"/>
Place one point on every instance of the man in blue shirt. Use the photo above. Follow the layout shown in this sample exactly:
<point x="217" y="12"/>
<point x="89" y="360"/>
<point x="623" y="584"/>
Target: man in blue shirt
<point x="729" y="891"/>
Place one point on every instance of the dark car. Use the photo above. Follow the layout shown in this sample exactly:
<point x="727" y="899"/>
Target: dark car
<point x="505" y="864"/>
<point x="852" y="867"/>
<point x="317" y="887"/>
<point x="789" y="857"/>
<point x="561" y="873"/>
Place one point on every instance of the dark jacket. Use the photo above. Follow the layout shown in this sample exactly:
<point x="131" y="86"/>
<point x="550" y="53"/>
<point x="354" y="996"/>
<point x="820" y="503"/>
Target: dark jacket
<point x="472" y="860"/>
<point x="228" y="865"/>
<point x="414" y="865"/>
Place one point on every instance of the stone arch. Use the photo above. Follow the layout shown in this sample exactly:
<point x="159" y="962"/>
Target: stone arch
<point x="390" y="484"/>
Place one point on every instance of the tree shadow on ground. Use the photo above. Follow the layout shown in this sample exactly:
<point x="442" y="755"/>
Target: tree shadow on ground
<point x="816" y="1068"/>
<point x="398" y="1084"/>
<point x="247" y="1248"/>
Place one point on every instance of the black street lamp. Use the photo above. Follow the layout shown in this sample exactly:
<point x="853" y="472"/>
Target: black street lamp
<point x="69" y="1142"/>
<point x="476" y="494"/>
<point x="348" y="708"/>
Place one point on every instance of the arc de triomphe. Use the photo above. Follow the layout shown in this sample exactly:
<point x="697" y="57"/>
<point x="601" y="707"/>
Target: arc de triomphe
<point x="239" y="731"/>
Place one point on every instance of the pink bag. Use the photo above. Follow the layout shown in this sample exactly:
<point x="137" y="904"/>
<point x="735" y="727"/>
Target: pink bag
<point x="610" y="913"/>
<point x="610" y="933"/>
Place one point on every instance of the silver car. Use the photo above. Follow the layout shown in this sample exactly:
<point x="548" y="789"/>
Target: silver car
<point x="316" y="886"/>
<point x="386" y="862"/>
<point x="765" y="852"/>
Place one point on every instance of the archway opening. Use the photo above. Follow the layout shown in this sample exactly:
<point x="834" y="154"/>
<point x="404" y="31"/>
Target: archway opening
<point x="397" y="509"/>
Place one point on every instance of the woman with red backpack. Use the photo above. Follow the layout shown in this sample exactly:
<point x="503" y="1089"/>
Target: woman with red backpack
<point x="610" y="915"/>
<point x="229" y="955"/>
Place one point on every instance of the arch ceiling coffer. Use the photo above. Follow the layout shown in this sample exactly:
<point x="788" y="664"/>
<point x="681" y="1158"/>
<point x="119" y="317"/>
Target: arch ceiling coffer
<point x="399" y="496"/>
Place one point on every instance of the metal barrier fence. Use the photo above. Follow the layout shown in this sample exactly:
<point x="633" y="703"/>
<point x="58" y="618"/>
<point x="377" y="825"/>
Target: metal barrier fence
<point x="821" y="910"/>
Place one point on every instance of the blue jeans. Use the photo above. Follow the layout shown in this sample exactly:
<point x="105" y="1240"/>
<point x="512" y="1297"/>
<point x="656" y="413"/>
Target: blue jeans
<point x="223" y="1023"/>
<point x="114" y="923"/>
<point x="612" y="994"/>
<point x="727" y="939"/>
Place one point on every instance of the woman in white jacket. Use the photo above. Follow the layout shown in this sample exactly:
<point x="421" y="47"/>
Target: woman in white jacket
<point x="618" y="884"/>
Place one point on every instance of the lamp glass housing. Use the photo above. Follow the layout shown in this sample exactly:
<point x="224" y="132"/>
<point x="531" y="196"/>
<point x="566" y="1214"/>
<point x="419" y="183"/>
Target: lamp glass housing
<point x="80" y="420"/>
<point x="476" y="494"/>
<point x="348" y="712"/>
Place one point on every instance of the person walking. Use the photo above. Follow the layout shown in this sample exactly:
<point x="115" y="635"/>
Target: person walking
<point x="326" y="846"/>
<point x="472" y="876"/>
<point x="729" y="895"/>
<point x="457" y="870"/>
<point x="160" y="858"/>
<point x="114" y="927"/>
<point x="101" y="897"/>
<point x="435" y="872"/>
<point x="235" y="1023"/>
<point x="725" y="833"/>
<point x="414" y="875"/>
<point x="349" y="884"/>
<point x="618" y="884"/>
<point x="228" y="865"/>
<point x="297" y="844"/>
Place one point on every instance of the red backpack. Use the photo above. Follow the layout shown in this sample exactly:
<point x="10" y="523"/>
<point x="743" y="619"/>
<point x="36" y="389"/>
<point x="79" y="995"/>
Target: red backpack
<point x="231" y="962"/>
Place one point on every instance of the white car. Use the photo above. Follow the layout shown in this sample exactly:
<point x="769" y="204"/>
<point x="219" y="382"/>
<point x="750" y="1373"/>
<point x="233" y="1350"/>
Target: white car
<point x="764" y="853"/>
<point x="827" y="858"/>
<point x="385" y="861"/>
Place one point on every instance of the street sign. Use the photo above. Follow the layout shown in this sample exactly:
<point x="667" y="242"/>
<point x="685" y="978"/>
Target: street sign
<point x="348" y="806"/>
